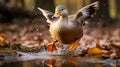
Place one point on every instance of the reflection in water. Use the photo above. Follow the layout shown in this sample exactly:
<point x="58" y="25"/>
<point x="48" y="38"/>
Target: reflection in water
<point x="59" y="62"/>
<point x="12" y="64"/>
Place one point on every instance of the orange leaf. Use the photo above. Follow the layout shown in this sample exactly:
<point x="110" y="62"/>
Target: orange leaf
<point x="1" y="51"/>
<point x="2" y="37"/>
<point x="94" y="51"/>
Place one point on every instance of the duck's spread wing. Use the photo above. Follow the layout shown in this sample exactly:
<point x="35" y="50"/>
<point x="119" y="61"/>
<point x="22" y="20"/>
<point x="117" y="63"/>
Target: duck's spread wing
<point x="87" y="12"/>
<point x="47" y="14"/>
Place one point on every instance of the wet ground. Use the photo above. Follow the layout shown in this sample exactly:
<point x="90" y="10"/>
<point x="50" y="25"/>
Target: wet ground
<point x="37" y="60"/>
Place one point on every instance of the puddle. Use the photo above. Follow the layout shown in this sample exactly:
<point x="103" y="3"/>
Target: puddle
<point x="36" y="60"/>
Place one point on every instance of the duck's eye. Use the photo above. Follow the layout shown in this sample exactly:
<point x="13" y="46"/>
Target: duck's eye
<point x="62" y="9"/>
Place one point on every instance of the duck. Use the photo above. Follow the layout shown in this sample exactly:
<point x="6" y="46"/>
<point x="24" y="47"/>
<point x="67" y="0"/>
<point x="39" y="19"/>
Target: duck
<point x="68" y="29"/>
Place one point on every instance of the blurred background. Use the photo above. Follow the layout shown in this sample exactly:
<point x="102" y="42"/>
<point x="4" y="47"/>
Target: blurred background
<point x="20" y="20"/>
<point x="11" y="10"/>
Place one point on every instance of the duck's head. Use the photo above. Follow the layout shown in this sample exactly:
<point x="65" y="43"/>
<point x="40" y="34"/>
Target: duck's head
<point x="60" y="11"/>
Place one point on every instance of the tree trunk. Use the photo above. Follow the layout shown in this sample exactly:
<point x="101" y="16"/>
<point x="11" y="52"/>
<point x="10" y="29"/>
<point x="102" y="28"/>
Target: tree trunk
<point x="6" y="1"/>
<point x="21" y="2"/>
<point x="118" y="9"/>
<point x="9" y="13"/>
<point x="45" y="4"/>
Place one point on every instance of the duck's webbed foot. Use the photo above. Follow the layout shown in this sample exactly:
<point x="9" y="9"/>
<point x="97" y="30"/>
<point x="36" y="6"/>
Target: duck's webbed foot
<point x="51" y="46"/>
<point x="74" y="45"/>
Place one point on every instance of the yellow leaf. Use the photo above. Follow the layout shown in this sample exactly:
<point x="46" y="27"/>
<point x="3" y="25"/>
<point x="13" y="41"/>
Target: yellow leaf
<point x="94" y="51"/>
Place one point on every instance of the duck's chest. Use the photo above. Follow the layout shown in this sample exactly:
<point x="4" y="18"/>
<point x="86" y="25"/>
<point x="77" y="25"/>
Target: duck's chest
<point x="57" y="28"/>
<point x="62" y="30"/>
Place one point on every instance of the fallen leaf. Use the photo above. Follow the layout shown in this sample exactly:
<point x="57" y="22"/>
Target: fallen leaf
<point x="94" y="51"/>
<point x="2" y="37"/>
<point x="98" y="45"/>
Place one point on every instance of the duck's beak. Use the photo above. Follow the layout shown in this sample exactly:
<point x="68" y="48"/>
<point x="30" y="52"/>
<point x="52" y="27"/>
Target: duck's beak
<point x="57" y="14"/>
